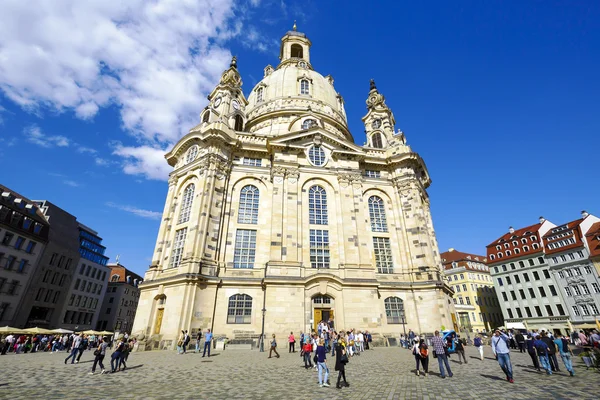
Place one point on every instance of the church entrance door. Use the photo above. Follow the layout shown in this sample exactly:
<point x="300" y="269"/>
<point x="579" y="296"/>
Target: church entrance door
<point x="323" y="307"/>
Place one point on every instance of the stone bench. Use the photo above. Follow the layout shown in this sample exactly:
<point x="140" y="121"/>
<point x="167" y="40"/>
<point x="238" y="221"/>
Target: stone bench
<point x="239" y="346"/>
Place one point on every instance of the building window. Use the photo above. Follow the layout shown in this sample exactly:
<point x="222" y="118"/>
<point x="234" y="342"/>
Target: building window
<point x="553" y="290"/>
<point x="319" y="248"/>
<point x="594" y="309"/>
<point x="249" y="202"/>
<point x="560" y="309"/>
<point x="177" y="252"/>
<point x="536" y="276"/>
<point x="259" y="94"/>
<point x="252" y="162"/>
<point x="538" y="311"/>
<point x="586" y="289"/>
<point x="517" y="279"/>
<point x="316" y="155"/>
<point x="510" y="313"/>
<point x="383" y="255"/>
<point x="22" y="265"/>
<point x="531" y="293"/>
<point x="577" y="290"/>
<point x="376" y="140"/>
<point x="394" y="310"/>
<point x="186" y="204"/>
<point x="304" y="87"/>
<point x="549" y="310"/>
<point x="585" y="310"/>
<point x="568" y="291"/>
<point x="561" y="274"/>
<point x="245" y="248"/>
<point x="191" y="154"/>
<point x="504" y="296"/>
<point x="309" y="123"/>
<point x="19" y="242"/>
<point x="546" y="274"/>
<point x="377" y="214"/>
<point x="238" y="123"/>
<point x="542" y="291"/>
<point x="522" y="293"/>
<point x="576" y="311"/>
<point x="596" y="287"/>
<point x="114" y="278"/>
<point x="7" y="238"/>
<point x="531" y="262"/>
<point x="528" y="312"/>
<point x="372" y="174"/>
<point x="240" y="309"/>
<point x="206" y="116"/>
<point x="317" y="205"/>
<point x="513" y="295"/>
<point x="508" y="281"/>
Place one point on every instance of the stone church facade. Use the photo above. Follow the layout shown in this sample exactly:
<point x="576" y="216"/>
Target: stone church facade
<point x="274" y="217"/>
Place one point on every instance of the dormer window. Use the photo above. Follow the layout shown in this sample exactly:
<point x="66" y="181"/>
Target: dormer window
<point x="259" y="95"/>
<point x="304" y="86"/>
<point x="296" y="51"/>
<point x="308" y="123"/>
<point x="376" y="140"/>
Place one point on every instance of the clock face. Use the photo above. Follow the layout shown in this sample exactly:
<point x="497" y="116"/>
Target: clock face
<point x="376" y="124"/>
<point x="236" y="105"/>
<point x="217" y="102"/>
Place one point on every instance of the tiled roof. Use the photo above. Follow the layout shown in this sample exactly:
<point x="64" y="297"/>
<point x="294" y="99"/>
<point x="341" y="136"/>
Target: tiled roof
<point x="517" y="233"/>
<point x="554" y="237"/>
<point x="454" y="255"/>
<point x="521" y="242"/>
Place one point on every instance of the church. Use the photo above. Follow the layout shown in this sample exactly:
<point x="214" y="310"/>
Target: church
<point x="275" y="219"/>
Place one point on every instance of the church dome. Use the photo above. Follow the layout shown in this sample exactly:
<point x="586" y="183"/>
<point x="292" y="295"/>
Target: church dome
<point x="293" y="93"/>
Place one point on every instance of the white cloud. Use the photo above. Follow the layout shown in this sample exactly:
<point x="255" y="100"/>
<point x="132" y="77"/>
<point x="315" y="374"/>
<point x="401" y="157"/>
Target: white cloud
<point x="71" y="183"/>
<point x="144" y="160"/>
<point x="102" y="162"/>
<point x="34" y="135"/>
<point x="156" y="60"/>
<point x="136" y="211"/>
<point x="84" y="149"/>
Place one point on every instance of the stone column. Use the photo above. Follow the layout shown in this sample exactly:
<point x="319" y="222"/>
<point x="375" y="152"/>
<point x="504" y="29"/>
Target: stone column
<point x="277" y="212"/>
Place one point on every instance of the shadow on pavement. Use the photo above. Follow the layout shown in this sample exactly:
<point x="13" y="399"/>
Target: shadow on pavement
<point x="495" y="378"/>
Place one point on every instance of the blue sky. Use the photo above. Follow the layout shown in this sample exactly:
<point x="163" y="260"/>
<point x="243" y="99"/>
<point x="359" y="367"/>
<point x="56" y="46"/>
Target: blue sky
<point x="499" y="98"/>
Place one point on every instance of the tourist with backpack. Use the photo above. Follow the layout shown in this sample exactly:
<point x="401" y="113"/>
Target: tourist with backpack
<point x="532" y="352"/>
<point x="460" y="349"/>
<point x="478" y="343"/>
<point x="421" y="353"/>
<point x="565" y="352"/>
<point x="500" y="342"/>
<point x="542" y="351"/>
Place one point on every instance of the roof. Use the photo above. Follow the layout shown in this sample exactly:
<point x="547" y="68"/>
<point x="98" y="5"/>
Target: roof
<point x="123" y="273"/>
<point x="517" y="233"/>
<point x="455" y="255"/>
<point x="18" y="212"/>
<point x="593" y="239"/>
<point x="561" y="236"/>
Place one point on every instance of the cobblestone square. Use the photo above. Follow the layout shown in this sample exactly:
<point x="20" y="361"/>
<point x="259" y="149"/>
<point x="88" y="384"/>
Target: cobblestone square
<point x="382" y="373"/>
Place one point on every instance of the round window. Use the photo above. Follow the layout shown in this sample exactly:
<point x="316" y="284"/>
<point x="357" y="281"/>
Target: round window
<point x="316" y="155"/>
<point x="191" y="154"/>
<point x="308" y="123"/>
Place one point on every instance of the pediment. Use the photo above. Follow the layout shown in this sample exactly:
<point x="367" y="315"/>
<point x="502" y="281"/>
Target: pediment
<point x="302" y="139"/>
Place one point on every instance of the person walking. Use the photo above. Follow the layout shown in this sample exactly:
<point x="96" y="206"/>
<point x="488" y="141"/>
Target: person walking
<point x="551" y="351"/>
<point x="198" y="341"/>
<point x="500" y="349"/>
<point x="273" y="347"/>
<point x="74" y="349"/>
<point x="542" y="351"/>
<point x="115" y="357"/>
<point x="82" y="347"/>
<point x="322" y="364"/>
<point x="99" y="354"/>
<point x="460" y="349"/>
<point x="180" y="343"/>
<point x="306" y="350"/>
<point x="520" y="341"/>
<point x="529" y="344"/>
<point x="186" y="341"/>
<point x="207" y="341"/>
<point x="478" y="343"/>
<point x="565" y="352"/>
<point x="439" y="348"/>
<point x="341" y="359"/>
<point x="292" y="343"/>
<point x="421" y="353"/>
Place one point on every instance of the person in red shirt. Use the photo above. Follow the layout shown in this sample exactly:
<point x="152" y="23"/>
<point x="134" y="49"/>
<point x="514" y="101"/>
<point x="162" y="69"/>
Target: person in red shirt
<point x="307" y="350"/>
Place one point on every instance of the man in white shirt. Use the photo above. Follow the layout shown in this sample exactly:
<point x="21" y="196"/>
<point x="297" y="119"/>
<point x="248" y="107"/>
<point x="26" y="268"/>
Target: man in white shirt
<point x="9" y="342"/>
<point x="361" y="342"/>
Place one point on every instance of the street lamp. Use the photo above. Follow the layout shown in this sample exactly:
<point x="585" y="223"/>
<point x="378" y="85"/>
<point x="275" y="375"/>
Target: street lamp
<point x="404" y="327"/>
<point x="262" y="334"/>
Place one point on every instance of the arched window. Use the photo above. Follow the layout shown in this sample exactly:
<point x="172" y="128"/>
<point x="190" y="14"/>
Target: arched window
<point x="186" y="204"/>
<point x="239" y="123"/>
<point x="308" y="123"/>
<point x="376" y="140"/>
<point x="394" y="310"/>
<point x="206" y="116"/>
<point x="535" y="245"/>
<point x="259" y="94"/>
<point x="517" y="251"/>
<point x="240" y="309"/>
<point x="296" y="51"/>
<point x="317" y="205"/>
<point x="316" y="155"/>
<point x="249" y="196"/>
<point x="377" y="214"/>
<point x="114" y="278"/>
<point x="191" y="154"/>
<point x="304" y="87"/>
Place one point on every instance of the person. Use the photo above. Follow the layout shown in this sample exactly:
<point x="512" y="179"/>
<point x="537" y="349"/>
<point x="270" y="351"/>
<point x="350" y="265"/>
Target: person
<point x="439" y="347"/>
<point x="115" y="357"/>
<point x="582" y="339"/>
<point x="322" y="363"/>
<point x="478" y="343"/>
<point x="124" y="354"/>
<point x="595" y="339"/>
<point x="292" y="343"/>
<point x="273" y="347"/>
<point x="532" y="352"/>
<point x="186" y="341"/>
<point x="82" y="347"/>
<point x="9" y="341"/>
<point x="341" y="359"/>
<point x="551" y="351"/>
<point x="423" y="350"/>
<point x="500" y="349"/>
<point x="565" y="352"/>
<point x="460" y="349"/>
<point x="180" y="342"/>
<point x="74" y="348"/>
<point x="99" y="356"/>
<point x="520" y="341"/>
<point x="361" y="342"/>
<point x="542" y="351"/>
<point x="306" y="350"/>
<point x="198" y="341"/>
<point x="207" y="340"/>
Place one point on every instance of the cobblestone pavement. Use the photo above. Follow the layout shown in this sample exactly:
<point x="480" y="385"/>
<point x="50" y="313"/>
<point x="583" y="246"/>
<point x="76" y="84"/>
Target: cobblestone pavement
<point x="383" y="373"/>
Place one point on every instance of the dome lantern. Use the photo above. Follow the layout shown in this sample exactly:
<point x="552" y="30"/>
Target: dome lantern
<point x="295" y="46"/>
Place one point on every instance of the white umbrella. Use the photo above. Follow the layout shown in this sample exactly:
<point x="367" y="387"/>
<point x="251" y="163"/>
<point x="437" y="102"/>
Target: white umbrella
<point x="61" y="330"/>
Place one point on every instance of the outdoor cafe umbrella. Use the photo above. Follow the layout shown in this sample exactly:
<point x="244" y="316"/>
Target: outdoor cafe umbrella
<point x="10" y="329"/>
<point x="37" y="330"/>
<point x="91" y="332"/>
<point x="61" y="330"/>
<point x="105" y="333"/>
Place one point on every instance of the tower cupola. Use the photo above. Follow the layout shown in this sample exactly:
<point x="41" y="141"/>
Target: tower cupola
<point x="295" y="47"/>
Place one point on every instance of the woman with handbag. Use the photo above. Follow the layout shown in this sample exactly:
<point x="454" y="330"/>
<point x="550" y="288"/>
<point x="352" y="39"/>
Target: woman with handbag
<point x="341" y="359"/>
<point x="99" y="354"/>
<point x="292" y="341"/>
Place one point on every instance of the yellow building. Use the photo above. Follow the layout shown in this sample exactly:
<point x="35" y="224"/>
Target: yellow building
<point x="476" y="303"/>
<point x="275" y="218"/>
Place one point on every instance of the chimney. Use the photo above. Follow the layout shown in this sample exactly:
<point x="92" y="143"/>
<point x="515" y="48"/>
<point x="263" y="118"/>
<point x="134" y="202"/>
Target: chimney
<point x="584" y="214"/>
<point x="451" y="249"/>
<point x="542" y="220"/>
<point x="511" y="230"/>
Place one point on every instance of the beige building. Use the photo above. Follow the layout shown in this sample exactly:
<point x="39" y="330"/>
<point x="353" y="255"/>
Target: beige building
<point x="275" y="218"/>
<point x="476" y="303"/>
